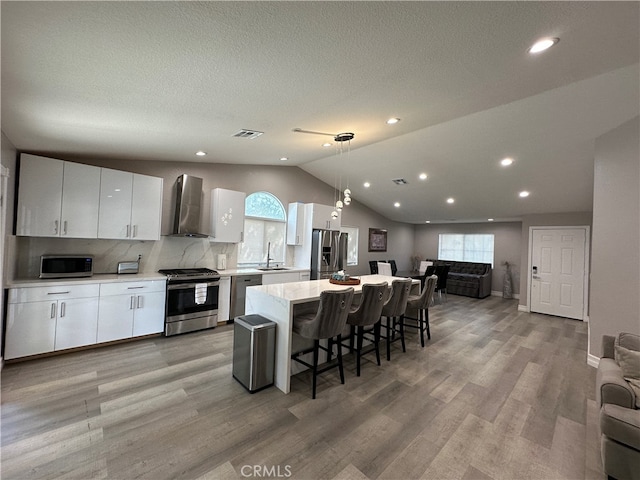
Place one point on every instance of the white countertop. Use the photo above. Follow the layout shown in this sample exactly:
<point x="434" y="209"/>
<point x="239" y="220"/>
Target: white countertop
<point x="96" y="278"/>
<point x="300" y="292"/>
<point x="133" y="277"/>
<point x="230" y="272"/>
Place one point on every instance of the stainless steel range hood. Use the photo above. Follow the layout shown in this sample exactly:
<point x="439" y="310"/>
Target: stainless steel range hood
<point x="186" y="222"/>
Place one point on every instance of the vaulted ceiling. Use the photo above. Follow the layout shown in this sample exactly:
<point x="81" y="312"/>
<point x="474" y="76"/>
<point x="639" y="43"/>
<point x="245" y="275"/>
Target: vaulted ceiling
<point x="162" y="80"/>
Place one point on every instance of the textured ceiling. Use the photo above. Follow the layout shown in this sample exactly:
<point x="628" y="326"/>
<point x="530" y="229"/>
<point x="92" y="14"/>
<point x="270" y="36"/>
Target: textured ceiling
<point x="161" y="80"/>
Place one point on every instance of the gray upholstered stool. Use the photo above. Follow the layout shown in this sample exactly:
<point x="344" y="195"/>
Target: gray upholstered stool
<point x="421" y="304"/>
<point x="394" y="310"/>
<point x="327" y="323"/>
<point x="365" y="319"/>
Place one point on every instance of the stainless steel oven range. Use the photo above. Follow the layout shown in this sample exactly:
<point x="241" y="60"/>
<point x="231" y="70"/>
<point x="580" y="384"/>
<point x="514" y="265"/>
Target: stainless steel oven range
<point x="192" y="299"/>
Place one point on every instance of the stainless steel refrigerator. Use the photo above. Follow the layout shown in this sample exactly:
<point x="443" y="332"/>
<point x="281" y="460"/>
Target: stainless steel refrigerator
<point x="328" y="253"/>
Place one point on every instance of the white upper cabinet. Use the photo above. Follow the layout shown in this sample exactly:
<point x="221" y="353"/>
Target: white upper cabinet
<point x="115" y="204"/>
<point x="227" y="215"/>
<point x="57" y="198"/>
<point x="80" y="201"/>
<point x="321" y="216"/>
<point x="146" y="207"/>
<point x="295" y="224"/>
<point x="130" y="206"/>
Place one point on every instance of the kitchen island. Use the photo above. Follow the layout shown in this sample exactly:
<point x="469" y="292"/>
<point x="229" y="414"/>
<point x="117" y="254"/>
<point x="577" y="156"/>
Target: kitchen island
<point x="279" y="302"/>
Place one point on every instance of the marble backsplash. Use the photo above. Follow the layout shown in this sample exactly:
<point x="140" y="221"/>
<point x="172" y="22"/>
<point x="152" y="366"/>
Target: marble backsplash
<point x="168" y="252"/>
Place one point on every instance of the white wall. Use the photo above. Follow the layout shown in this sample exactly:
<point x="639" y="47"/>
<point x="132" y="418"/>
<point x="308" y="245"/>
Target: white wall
<point x="615" y="264"/>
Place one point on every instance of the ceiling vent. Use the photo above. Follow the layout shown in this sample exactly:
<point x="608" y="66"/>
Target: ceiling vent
<point x="399" y="181"/>
<point x="250" y="134"/>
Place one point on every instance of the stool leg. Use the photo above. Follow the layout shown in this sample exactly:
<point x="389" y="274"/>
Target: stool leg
<point x="421" y="320"/>
<point x="316" y="344"/>
<point x="340" y="360"/>
<point x="426" y="319"/>
<point x="330" y="349"/>
<point x="352" y="331"/>
<point x="388" y="341"/>
<point x="376" y="339"/>
<point x="401" y="321"/>
<point x="359" y="349"/>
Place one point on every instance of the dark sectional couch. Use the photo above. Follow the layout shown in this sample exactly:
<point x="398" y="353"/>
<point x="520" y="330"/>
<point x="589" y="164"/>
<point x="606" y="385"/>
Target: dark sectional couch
<point x="468" y="278"/>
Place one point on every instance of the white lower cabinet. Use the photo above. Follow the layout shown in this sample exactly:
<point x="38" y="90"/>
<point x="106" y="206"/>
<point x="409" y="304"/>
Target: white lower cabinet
<point x="45" y="319"/>
<point x="59" y="316"/>
<point x="224" y="299"/>
<point x="77" y="323"/>
<point x="130" y="309"/>
<point x="148" y="317"/>
<point x="31" y="329"/>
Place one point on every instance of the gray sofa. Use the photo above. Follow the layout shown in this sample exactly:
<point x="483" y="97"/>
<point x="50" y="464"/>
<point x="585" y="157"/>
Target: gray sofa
<point x="619" y="414"/>
<point x="470" y="279"/>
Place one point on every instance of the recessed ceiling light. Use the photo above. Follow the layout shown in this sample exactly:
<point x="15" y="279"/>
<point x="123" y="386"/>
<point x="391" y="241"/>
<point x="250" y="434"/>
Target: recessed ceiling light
<point x="200" y="153"/>
<point x="327" y="144"/>
<point x="450" y="200"/>
<point x="427" y="221"/>
<point x="489" y="219"/>
<point x="505" y="162"/>
<point x="524" y="193"/>
<point x="393" y="121"/>
<point x="422" y="176"/>
<point x="543" y="44"/>
<point x="397" y="204"/>
<point x="283" y="159"/>
<point x="366" y="184"/>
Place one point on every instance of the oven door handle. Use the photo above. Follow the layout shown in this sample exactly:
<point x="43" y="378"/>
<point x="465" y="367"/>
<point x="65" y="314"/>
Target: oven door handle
<point x="182" y="286"/>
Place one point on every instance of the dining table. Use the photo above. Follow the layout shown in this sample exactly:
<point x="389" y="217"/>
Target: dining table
<point x="279" y="302"/>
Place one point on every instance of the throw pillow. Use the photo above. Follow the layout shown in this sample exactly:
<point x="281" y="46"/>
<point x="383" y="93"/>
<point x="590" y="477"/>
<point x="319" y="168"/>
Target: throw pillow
<point x="629" y="361"/>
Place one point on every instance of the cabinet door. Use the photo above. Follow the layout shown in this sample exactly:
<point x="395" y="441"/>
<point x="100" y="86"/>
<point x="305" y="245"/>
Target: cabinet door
<point x="39" y="196"/>
<point x="114" y="218"/>
<point x="295" y="224"/>
<point x="80" y="201"/>
<point x="115" y="318"/>
<point x="31" y="329"/>
<point x="305" y="276"/>
<point x="275" y="278"/>
<point x="335" y="223"/>
<point x="227" y="211"/>
<point x="321" y="217"/>
<point x="146" y="207"/>
<point x="224" y="299"/>
<point x="77" y="323"/>
<point x="148" y="316"/>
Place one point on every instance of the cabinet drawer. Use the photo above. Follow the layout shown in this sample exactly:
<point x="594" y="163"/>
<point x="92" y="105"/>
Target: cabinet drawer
<point x="54" y="292"/>
<point x="123" y="288"/>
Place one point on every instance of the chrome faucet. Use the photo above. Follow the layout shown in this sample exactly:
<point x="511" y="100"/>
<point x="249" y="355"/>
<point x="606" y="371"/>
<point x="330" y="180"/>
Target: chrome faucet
<point x="269" y="254"/>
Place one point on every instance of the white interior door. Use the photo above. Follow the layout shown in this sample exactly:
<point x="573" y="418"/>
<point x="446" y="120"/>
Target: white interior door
<point x="558" y="271"/>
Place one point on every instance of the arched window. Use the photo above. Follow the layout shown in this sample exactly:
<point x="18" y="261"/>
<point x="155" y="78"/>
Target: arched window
<point x="265" y="226"/>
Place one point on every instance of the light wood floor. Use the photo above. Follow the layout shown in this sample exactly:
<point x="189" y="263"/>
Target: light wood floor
<point x="495" y="394"/>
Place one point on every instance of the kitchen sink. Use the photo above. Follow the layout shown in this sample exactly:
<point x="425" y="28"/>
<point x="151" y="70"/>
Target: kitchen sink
<point x="269" y="269"/>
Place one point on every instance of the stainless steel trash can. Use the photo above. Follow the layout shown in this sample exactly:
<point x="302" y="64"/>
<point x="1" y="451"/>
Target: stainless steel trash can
<point x="254" y="341"/>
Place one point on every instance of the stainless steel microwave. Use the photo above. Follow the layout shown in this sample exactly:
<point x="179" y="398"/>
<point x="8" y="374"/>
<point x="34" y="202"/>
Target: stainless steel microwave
<point x="66" y="266"/>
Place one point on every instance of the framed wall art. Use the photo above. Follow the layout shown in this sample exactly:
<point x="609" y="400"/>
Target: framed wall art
<point x="377" y="240"/>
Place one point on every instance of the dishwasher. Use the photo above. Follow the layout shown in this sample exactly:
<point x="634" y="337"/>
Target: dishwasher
<point x="239" y="284"/>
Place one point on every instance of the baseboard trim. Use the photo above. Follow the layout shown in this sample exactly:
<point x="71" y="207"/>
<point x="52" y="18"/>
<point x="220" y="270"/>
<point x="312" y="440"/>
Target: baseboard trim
<point x="592" y="360"/>
<point x="523" y="308"/>
<point x="498" y="293"/>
